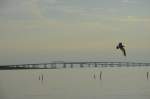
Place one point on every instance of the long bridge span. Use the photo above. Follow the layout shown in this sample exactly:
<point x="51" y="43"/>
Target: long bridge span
<point x="59" y="65"/>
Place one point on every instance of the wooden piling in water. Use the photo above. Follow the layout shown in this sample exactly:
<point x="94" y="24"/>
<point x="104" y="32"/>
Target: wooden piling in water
<point x="147" y="75"/>
<point x="39" y="77"/>
<point x="94" y="76"/>
<point x="42" y="77"/>
<point x="100" y="76"/>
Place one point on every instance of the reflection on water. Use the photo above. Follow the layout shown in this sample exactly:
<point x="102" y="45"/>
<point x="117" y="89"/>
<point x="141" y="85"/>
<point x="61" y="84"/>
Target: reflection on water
<point x="85" y="83"/>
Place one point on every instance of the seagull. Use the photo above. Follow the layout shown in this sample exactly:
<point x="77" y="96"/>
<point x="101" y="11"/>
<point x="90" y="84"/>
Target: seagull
<point x="121" y="47"/>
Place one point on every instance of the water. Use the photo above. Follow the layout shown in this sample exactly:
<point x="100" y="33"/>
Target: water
<point x="77" y="83"/>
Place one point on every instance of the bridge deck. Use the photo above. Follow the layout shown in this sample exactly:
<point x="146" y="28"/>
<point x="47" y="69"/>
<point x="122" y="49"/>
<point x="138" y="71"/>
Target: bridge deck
<point x="58" y="65"/>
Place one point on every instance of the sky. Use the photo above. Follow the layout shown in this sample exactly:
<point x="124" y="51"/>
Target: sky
<point x="36" y="31"/>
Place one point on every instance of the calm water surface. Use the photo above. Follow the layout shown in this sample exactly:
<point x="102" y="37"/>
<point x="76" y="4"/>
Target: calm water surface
<point x="77" y="83"/>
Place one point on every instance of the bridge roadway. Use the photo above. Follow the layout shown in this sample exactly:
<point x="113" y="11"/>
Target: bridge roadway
<point x="58" y="65"/>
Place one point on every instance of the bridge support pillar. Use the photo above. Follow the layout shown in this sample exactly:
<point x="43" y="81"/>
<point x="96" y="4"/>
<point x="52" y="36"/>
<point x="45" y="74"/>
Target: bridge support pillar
<point x="81" y="65"/>
<point x="95" y="65"/>
<point x="64" y="65"/>
<point x="71" y="65"/>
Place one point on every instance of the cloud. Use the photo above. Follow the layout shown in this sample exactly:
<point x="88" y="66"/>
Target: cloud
<point x="125" y="1"/>
<point x="128" y="1"/>
<point x="134" y="19"/>
<point x="65" y="10"/>
<point x="70" y="12"/>
<point x="20" y="10"/>
<point x="13" y="8"/>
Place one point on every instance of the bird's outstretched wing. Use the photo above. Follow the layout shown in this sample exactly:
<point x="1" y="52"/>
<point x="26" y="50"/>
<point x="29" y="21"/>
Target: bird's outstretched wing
<point x="124" y="51"/>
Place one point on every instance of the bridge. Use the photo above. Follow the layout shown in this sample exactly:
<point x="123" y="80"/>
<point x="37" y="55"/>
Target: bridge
<point x="59" y="65"/>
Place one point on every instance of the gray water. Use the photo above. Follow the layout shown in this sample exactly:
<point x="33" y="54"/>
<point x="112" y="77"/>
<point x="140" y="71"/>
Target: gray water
<point x="77" y="83"/>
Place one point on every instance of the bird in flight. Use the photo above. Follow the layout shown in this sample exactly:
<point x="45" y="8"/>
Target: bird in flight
<point x="121" y="47"/>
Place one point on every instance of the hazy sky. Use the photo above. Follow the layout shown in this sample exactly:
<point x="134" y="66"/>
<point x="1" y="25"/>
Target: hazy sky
<point x="33" y="31"/>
